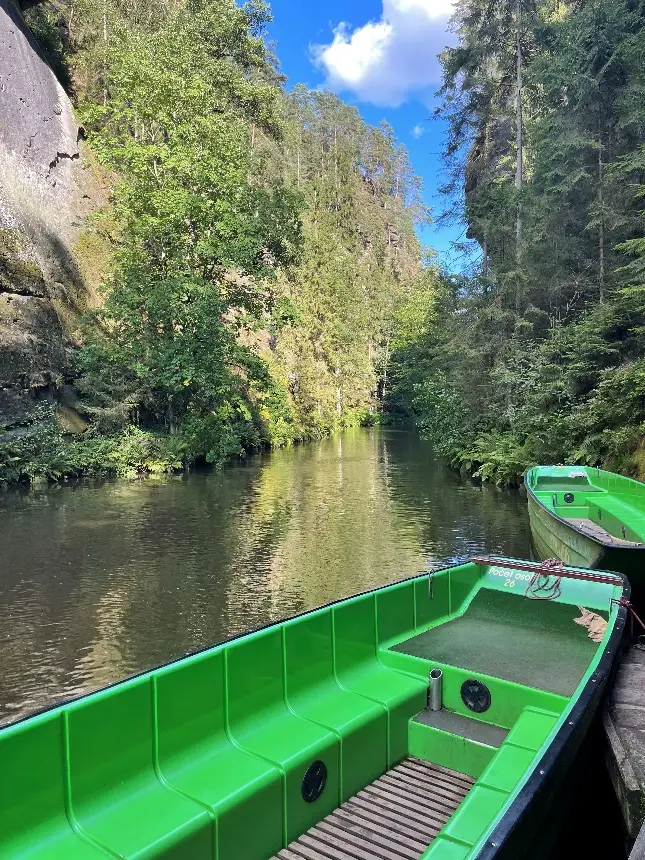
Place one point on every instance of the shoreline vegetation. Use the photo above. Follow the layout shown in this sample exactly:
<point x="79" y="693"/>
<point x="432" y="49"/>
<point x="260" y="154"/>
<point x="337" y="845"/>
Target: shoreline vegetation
<point x="263" y="280"/>
<point x="49" y="455"/>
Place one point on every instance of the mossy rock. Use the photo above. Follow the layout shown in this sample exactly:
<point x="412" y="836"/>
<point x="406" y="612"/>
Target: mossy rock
<point x="71" y="421"/>
<point x="9" y="241"/>
<point x="23" y="277"/>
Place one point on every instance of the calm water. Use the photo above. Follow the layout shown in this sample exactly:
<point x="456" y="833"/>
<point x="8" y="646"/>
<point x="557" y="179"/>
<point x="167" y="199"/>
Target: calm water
<point x="101" y="582"/>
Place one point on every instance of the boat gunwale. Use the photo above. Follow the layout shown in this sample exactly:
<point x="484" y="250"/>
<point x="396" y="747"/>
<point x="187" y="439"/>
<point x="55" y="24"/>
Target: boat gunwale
<point x="542" y="769"/>
<point x="630" y="545"/>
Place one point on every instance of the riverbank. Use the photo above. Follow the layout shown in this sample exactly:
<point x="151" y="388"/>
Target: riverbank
<point x="47" y="454"/>
<point x="499" y="459"/>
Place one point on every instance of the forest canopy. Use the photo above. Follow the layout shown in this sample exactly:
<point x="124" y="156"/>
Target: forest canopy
<point x="538" y="355"/>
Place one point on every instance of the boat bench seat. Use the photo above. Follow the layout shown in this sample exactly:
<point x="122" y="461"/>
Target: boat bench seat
<point x="117" y="798"/>
<point x="33" y="819"/>
<point x="359" y="669"/>
<point x="614" y="506"/>
<point x="314" y="693"/>
<point x="261" y="722"/>
<point x="625" y="513"/>
<point x="199" y="759"/>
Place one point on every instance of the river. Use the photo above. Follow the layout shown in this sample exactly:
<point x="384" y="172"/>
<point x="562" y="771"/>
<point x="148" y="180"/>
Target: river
<point x="100" y="582"/>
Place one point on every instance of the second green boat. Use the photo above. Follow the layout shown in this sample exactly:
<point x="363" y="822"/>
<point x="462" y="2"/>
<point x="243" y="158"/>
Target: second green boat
<point x="589" y="518"/>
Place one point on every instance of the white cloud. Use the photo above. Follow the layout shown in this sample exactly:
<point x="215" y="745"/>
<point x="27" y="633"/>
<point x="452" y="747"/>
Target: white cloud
<point x="386" y="61"/>
<point x="418" y="131"/>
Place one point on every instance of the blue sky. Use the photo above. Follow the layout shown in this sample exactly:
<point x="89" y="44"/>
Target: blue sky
<point x="381" y="56"/>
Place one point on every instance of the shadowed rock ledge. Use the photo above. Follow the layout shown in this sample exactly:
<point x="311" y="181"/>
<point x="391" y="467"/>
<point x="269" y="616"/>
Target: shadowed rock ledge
<point x="47" y="189"/>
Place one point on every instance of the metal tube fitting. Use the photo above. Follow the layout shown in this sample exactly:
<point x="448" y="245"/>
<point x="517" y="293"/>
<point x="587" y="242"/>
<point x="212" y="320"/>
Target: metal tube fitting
<point x="435" y="692"/>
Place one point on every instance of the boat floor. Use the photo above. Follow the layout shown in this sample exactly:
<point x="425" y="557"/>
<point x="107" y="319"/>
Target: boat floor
<point x="530" y="642"/>
<point x="589" y="527"/>
<point x="394" y="818"/>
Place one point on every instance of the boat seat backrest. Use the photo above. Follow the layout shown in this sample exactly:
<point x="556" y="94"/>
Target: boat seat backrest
<point x="190" y="701"/>
<point x="395" y="612"/>
<point x="431" y="598"/>
<point x="462" y="585"/>
<point x="32" y="788"/>
<point x="117" y="797"/>
<point x="111" y="744"/>
<point x="309" y="652"/>
<point x="355" y="632"/>
<point x="255" y="676"/>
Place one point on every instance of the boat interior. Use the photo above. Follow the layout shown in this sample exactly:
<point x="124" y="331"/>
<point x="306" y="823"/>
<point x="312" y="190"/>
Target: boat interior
<point x="313" y="738"/>
<point x="607" y="507"/>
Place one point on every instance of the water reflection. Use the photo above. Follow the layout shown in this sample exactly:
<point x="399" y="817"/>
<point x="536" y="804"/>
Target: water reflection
<point x="101" y="582"/>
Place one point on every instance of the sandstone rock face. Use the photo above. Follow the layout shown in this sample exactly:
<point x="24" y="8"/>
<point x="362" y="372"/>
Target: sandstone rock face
<point x="47" y="189"/>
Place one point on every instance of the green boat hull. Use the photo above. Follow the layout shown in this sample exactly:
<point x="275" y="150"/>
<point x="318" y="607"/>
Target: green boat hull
<point x="310" y="732"/>
<point x="554" y="535"/>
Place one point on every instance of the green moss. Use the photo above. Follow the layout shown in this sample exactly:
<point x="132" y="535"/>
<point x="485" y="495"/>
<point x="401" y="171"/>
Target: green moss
<point x="93" y="254"/>
<point x="9" y="242"/>
<point x="20" y="276"/>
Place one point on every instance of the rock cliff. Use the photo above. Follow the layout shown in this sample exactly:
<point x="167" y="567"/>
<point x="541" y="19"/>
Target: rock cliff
<point x="47" y="188"/>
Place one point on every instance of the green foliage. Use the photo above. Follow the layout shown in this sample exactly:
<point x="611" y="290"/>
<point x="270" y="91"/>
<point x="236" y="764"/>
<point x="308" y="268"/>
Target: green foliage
<point x="44" y="453"/>
<point x="539" y="356"/>
<point x="48" y="26"/>
<point x="264" y="259"/>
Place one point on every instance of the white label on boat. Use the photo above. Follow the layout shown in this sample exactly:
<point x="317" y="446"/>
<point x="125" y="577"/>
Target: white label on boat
<point x="509" y="574"/>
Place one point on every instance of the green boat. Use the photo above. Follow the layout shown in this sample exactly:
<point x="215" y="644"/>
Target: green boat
<point x="435" y="717"/>
<point x="589" y="518"/>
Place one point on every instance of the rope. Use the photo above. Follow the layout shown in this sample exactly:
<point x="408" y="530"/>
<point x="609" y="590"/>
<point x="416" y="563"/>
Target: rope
<point x="622" y="601"/>
<point x="541" y="588"/>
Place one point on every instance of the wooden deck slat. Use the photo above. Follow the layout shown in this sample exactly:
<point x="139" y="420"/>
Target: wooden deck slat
<point x="328" y="847"/>
<point x="398" y="782"/>
<point x="394" y="818"/>
<point x="429" y="768"/>
<point x="306" y="852"/>
<point x="379" y="845"/>
<point x="592" y="529"/>
<point x="423" y="832"/>
<point x="376" y="831"/>
<point x="408" y="807"/>
<point x="406" y="800"/>
<point x="445" y="794"/>
<point x="431" y="765"/>
<point x="424" y="822"/>
<point x="369" y="847"/>
<point x="431" y="772"/>
<point x="397" y="828"/>
<point x="432" y="778"/>
<point x="360" y="849"/>
<point x="421" y="782"/>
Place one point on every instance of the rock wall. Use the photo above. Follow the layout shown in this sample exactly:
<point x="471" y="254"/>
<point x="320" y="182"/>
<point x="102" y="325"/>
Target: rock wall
<point x="47" y="189"/>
